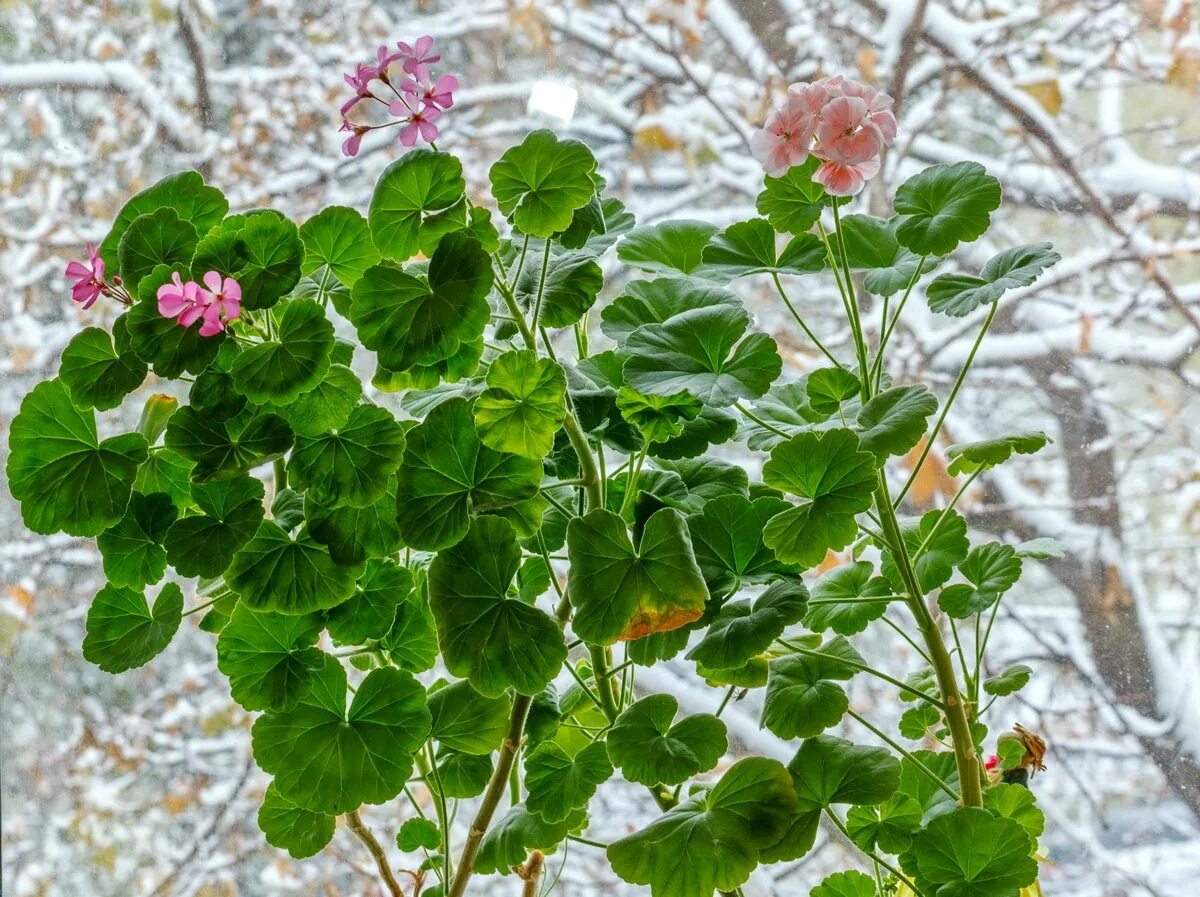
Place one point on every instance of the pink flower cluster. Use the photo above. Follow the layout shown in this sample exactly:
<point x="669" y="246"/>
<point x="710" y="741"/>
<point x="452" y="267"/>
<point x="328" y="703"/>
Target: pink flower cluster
<point x="215" y="306"/>
<point x="401" y="82"/>
<point x="843" y="123"/>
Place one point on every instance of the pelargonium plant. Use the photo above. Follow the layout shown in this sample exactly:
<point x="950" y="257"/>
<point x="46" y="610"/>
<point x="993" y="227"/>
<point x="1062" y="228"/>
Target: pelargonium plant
<point x="437" y="589"/>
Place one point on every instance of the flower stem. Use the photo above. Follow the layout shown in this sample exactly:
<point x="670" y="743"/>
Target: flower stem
<point x="355" y="824"/>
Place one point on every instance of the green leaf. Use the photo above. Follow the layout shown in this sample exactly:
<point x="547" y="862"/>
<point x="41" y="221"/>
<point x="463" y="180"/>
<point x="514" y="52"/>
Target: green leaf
<point x="837" y="480"/>
<point x="494" y="641"/>
<point x="288" y="575"/>
<point x="945" y="205"/>
<point x="651" y="748"/>
<point x="132" y="548"/>
<point x="793" y="202"/>
<point x="703" y="352"/>
<point x="969" y="457"/>
<point x="655" y="301"/>
<point x="851" y="883"/>
<point x="331" y="758"/>
<point x="539" y="183"/>
<point x="326" y="406"/>
<point x="352" y="534"/>
<point x="559" y="783"/>
<point x="156" y="238"/>
<point x="838" y="599"/>
<point x="916" y="722"/>
<point x="278" y="370"/>
<point x="447" y="473"/>
<point x="463" y="775"/>
<point x="711" y="427"/>
<point x="269" y="659"/>
<point x="1042" y="549"/>
<point x="185" y="192"/>
<point x="748" y="247"/>
<point x="1016" y="802"/>
<point x="829" y="388"/>
<point x="893" y="422"/>
<point x="412" y="198"/>
<point x="370" y="612"/>
<point x="1009" y="681"/>
<point x="727" y="537"/>
<point x="803" y="698"/>
<point x="935" y="547"/>
<point x="671" y="247"/>
<point x="573" y="280"/>
<point x="622" y="591"/>
<point x="742" y="629"/>
<point x="418" y="834"/>
<point x="261" y="250"/>
<point x="969" y="852"/>
<point x="466" y="721"/>
<point x="164" y="471"/>
<point x="991" y="570"/>
<point x="523" y="405"/>
<point x="338" y="238"/>
<point x="411" y="643"/>
<point x="960" y="294"/>
<point x="63" y="475"/>
<point x="658" y="418"/>
<point x="98" y="375"/>
<point x="510" y="839"/>
<point x="213" y="393"/>
<point x="713" y="840"/>
<point x="888" y="826"/>
<point x="288" y="826"/>
<point x="409" y="320"/>
<point x="871" y="246"/>
<point x="787" y="411"/>
<point x="204" y="544"/>
<point x="159" y="341"/>
<point x="706" y="479"/>
<point x="353" y="464"/>
<point x="225" y="449"/>
<point x="124" y="632"/>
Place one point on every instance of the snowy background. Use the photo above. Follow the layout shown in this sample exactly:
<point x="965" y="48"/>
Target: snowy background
<point x="143" y="785"/>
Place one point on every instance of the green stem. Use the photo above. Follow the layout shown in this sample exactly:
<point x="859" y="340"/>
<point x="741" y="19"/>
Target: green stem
<point x="725" y="700"/>
<point x="762" y="423"/>
<point x="799" y="320"/>
<point x="943" y="664"/>
<point x="281" y="481"/>
<point x="541" y="290"/>
<point x="937" y="427"/>
<point x="604" y="681"/>
<point x="520" y="264"/>
<point x="937" y="524"/>
<point x="355" y="824"/>
<point x="427" y="764"/>
<point x="205" y="606"/>
<point x="933" y="777"/>
<point x="890" y="868"/>
<point x="865" y="668"/>
<point x="889" y="325"/>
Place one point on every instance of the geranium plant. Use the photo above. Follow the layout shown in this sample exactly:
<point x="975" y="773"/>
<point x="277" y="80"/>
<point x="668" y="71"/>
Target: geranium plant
<point x="443" y="585"/>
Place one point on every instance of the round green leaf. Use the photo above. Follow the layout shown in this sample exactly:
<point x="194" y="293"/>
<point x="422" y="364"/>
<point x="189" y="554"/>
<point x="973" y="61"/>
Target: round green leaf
<point x="1009" y="681"/>
<point x="654" y="301"/>
<point x="713" y="840"/>
<point x="727" y="537"/>
<point x="829" y="388"/>
<point x="841" y="599"/>
<point x="156" y="238"/>
<point x="851" y="883"/>
<point x="959" y="294"/>
<point x="63" y="475"/>
<point x="672" y="247"/>
<point x="463" y="775"/>
<point x="937" y="543"/>
<point x="703" y="352"/>
<point x="280" y="369"/>
<point x="411" y="643"/>
<point x="837" y="480"/>
<point x="288" y="575"/>
<point x="466" y="721"/>
<point x="991" y="570"/>
<point x="1016" y="802"/>
<point x="355" y="534"/>
<point x="945" y="205"/>
<point x="97" y="374"/>
<point x="871" y="246"/>
<point x="969" y="852"/>
<point x="651" y="748"/>
<point x="124" y="632"/>
<point x="559" y="783"/>
<point x="447" y="473"/>
<point x="164" y="471"/>
<point x="523" y="405"/>
<point x="262" y="251"/>
<point x="353" y="464"/>
<point x="573" y="281"/>
<point x="159" y="341"/>
<point x="327" y="405"/>
<point x="510" y="839"/>
<point x="204" y="544"/>
<point x="888" y="826"/>
<point x="412" y="197"/>
<point x="329" y="758"/>
<point x="539" y="183"/>
<point x="658" y="418"/>
<point x="288" y="826"/>
<point x="370" y="613"/>
<point x="494" y="641"/>
<point x="893" y="422"/>
<point x="623" y="591"/>
<point x="793" y="202"/>
<point x="193" y="201"/>
<point x="829" y="770"/>
<point x="338" y="239"/>
<point x="748" y="247"/>
<point x="132" y="549"/>
<point x="418" y="834"/>
<point x="225" y="449"/>
<point x="269" y="659"/>
<point x="744" y="629"/>
<point x="968" y="457"/>
<point x="803" y="698"/>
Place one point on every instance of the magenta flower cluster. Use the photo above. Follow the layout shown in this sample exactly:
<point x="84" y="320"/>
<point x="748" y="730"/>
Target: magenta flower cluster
<point x="400" y="81"/>
<point x="215" y="304"/>
<point x="89" y="283"/>
<point x="843" y="123"/>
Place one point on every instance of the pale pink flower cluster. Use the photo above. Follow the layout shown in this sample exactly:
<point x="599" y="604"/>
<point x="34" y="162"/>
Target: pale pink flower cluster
<point x="215" y="304"/>
<point x="400" y="81"/>
<point x="843" y="123"/>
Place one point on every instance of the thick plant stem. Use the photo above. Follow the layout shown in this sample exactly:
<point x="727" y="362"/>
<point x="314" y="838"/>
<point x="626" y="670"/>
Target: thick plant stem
<point x="604" y="681"/>
<point x="943" y="664"/>
<point x="355" y="824"/>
